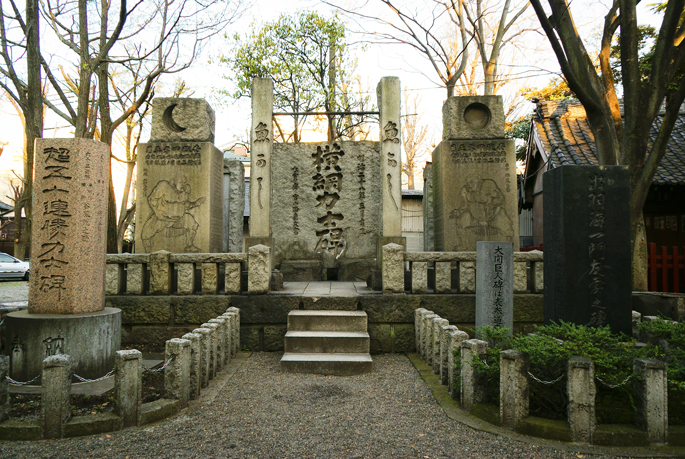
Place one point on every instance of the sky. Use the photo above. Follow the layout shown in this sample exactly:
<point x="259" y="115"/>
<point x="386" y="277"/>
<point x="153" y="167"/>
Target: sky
<point x="533" y="67"/>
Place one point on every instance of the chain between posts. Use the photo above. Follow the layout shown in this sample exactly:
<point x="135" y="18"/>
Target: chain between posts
<point x="549" y="383"/>
<point x="110" y="373"/>
<point x="614" y="386"/>
<point x="161" y="368"/>
<point x="19" y="383"/>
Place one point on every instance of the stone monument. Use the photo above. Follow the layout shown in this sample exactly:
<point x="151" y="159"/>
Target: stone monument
<point x="66" y="312"/>
<point x="587" y="270"/>
<point x="234" y="205"/>
<point x="494" y="284"/>
<point x="180" y="181"/>
<point x="474" y="176"/>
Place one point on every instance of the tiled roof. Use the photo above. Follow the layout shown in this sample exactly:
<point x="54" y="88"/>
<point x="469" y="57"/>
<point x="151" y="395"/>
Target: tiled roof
<point x="562" y="129"/>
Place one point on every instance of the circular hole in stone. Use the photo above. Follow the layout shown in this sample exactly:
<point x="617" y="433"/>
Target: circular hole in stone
<point x="168" y="120"/>
<point x="477" y="115"/>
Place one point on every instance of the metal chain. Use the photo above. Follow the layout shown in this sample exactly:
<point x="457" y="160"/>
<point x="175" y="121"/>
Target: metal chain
<point x="2" y="322"/>
<point x="18" y="383"/>
<point x="110" y="373"/>
<point x="161" y="368"/>
<point x="614" y="386"/>
<point x="549" y="383"/>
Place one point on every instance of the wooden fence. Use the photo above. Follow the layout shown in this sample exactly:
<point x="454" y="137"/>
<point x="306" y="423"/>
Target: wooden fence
<point x="666" y="268"/>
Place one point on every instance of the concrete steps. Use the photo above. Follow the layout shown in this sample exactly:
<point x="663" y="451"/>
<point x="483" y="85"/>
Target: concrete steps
<point x="327" y="342"/>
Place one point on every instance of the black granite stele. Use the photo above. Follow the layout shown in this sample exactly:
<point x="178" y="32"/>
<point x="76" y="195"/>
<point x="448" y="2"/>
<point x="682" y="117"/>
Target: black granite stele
<point x="587" y="246"/>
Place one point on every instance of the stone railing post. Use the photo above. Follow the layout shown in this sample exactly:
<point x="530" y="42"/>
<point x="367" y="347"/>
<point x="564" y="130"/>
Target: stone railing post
<point x="419" y="277"/>
<point x="467" y="277"/>
<point x="456" y="338"/>
<point x="513" y="386"/>
<point x="520" y="277"/>
<point x="435" y="347"/>
<point x="213" y="348"/>
<point x="538" y="271"/>
<point x="55" y="405"/>
<point x="185" y="279"/>
<point x="195" y="364"/>
<point x="473" y="384"/>
<point x="393" y="268"/>
<point x="230" y="317"/>
<point x="177" y="372"/>
<point x="205" y="354"/>
<point x="134" y="278"/>
<point x="427" y="337"/>
<point x="114" y="278"/>
<point x="4" y="388"/>
<point x="232" y="278"/>
<point x="258" y="270"/>
<point x="445" y="331"/>
<point x="443" y="277"/>
<point x="581" y="399"/>
<point x="223" y="350"/>
<point x="210" y="278"/>
<point x="651" y="399"/>
<point x="418" y="315"/>
<point x="128" y="388"/>
<point x="160" y="273"/>
<point x="236" y="329"/>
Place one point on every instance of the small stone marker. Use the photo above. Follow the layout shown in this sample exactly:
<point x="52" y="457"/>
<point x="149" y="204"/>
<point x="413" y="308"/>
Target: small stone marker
<point x="494" y="284"/>
<point x="587" y="265"/>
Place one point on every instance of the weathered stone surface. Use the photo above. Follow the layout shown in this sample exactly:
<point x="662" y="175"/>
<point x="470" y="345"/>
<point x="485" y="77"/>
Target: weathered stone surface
<point x="208" y="257"/>
<point x="393" y="268"/>
<point x="185" y="278"/>
<point x="114" y="274"/>
<point x="529" y="308"/>
<point x="127" y="258"/>
<point x="221" y="335"/>
<point x="326" y="201"/>
<point x="455" y="308"/>
<point x="427" y="337"/>
<point x="274" y="337"/>
<point x="456" y="337"/>
<point x="198" y="309"/>
<point x="391" y="338"/>
<point x="232" y="279"/>
<point x="210" y="278"/>
<point x="148" y="334"/>
<point x="262" y="162"/>
<point x="142" y="310"/>
<point x="581" y="399"/>
<point x="302" y="270"/>
<point x="249" y="338"/>
<point x="420" y="330"/>
<point x="195" y="378"/>
<point x="160" y="273"/>
<point x="355" y="270"/>
<point x="388" y="96"/>
<point x="330" y="303"/>
<point x="513" y="383"/>
<point x="520" y="277"/>
<point x="177" y="119"/>
<point x="443" y="277"/>
<point x="68" y="234"/>
<point x="419" y="277"/>
<point x="177" y="372"/>
<point x="473" y="384"/>
<point x="180" y="198"/>
<point x="427" y="203"/>
<point x="467" y="277"/>
<point x="539" y="279"/>
<point x="259" y="270"/>
<point x="418" y="314"/>
<point x="587" y="246"/>
<point x="205" y="354"/>
<point x="436" y="346"/>
<point x="214" y="348"/>
<point x="128" y="390"/>
<point x="55" y="407"/>
<point x="440" y="256"/>
<point x="473" y="117"/>
<point x="651" y="399"/>
<point x="445" y="341"/>
<point x="390" y="309"/>
<point x="495" y="285"/>
<point x="234" y="205"/>
<point x="134" y="279"/>
<point x="265" y="310"/>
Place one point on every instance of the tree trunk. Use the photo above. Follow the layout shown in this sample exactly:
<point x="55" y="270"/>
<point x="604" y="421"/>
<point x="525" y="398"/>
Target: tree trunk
<point x="410" y="180"/>
<point x="640" y="264"/>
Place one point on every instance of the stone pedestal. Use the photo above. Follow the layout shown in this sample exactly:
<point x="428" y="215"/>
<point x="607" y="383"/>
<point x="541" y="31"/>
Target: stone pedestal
<point x="91" y="339"/>
<point x="587" y="246"/>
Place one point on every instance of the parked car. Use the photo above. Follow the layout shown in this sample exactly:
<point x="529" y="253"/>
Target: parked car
<point x="10" y="267"/>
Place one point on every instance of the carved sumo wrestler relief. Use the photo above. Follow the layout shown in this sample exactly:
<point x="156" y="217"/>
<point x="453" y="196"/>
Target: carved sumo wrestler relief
<point x="480" y="210"/>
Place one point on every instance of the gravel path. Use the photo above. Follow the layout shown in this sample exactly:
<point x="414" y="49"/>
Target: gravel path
<point x="13" y="290"/>
<point x="263" y="413"/>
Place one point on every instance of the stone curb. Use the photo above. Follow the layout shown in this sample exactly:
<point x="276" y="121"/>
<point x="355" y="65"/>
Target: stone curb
<point x="451" y="408"/>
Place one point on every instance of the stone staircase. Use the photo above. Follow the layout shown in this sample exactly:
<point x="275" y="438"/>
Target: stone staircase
<point x="327" y="342"/>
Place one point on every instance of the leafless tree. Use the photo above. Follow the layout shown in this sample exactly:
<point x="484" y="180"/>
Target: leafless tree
<point x="413" y="136"/>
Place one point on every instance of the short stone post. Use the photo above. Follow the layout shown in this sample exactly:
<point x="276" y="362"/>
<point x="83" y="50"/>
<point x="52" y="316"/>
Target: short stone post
<point x="177" y="371"/>
<point x="467" y="277"/>
<point x="230" y="338"/>
<point x="236" y="329"/>
<point x="134" y="278"/>
<point x="437" y="323"/>
<point x="637" y="318"/>
<point x="160" y="273"/>
<point x="4" y="388"/>
<point x="195" y="364"/>
<point x="114" y="277"/>
<point x="232" y="278"/>
<point x="456" y="338"/>
<point x="443" y="277"/>
<point x="513" y="386"/>
<point x="473" y="384"/>
<point x="393" y="268"/>
<point x="210" y="278"/>
<point x="205" y="354"/>
<point x="258" y="270"/>
<point x="128" y="388"/>
<point x="55" y="405"/>
<point x="418" y="315"/>
<point x="185" y="283"/>
<point x="213" y="349"/>
<point x="581" y="399"/>
<point x="419" y="277"/>
<point x="427" y="338"/>
<point x="445" y="331"/>
<point x="651" y="399"/>
<point x="222" y="350"/>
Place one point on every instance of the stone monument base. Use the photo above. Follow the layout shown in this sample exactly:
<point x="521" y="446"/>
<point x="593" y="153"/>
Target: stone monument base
<point x="91" y="339"/>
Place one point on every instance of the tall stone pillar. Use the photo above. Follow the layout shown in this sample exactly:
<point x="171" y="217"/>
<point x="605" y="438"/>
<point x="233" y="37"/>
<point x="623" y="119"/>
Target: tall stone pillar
<point x="388" y="93"/>
<point x="261" y="146"/>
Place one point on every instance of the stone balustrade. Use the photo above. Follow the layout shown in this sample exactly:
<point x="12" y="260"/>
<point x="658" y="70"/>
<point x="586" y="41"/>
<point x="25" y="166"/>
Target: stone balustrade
<point x="528" y="271"/>
<point x="434" y="339"/>
<point x="164" y="273"/>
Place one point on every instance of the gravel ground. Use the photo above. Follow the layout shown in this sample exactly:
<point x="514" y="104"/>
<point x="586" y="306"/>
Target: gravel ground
<point x="263" y="413"/>
<point x="13" y="290"/>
